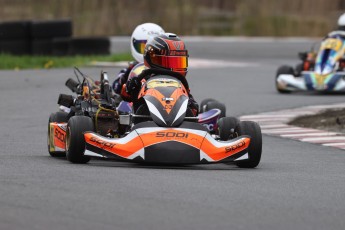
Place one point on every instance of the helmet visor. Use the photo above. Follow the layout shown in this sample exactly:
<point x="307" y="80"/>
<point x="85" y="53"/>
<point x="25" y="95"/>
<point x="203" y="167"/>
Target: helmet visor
<point x="139" y="45"/>
<point x="170" y="62"/>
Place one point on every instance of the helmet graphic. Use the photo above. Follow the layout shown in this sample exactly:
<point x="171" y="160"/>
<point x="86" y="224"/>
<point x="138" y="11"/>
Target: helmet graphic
<point x="166" y="51"/>
<point x="139" y="37"/>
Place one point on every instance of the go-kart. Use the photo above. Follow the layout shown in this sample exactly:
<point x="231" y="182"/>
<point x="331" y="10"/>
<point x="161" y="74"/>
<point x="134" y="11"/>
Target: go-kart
<point x="164" y="131"/>
<point x="92" y="99"/>
<point x="324" y="75"/>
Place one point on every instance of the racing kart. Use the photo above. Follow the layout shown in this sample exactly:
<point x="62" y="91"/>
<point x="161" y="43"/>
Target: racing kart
<point x="323" y="75"/>
<point x="92" y="99"/>
<point x="164" y="131"/>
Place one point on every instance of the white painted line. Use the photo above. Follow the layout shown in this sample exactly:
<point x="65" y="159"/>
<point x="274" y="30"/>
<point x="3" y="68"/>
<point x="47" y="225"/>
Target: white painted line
<point x="268" y="116"/>
<point x="265" y="119"/>
<point x="291" y="131"/>
<point x="211" y="63"/>
<point x="316" y="139"/>
<point x="295" y="112"/>
<point x="326" y="106"/>
<point x="274" y="126"/>
<point x="309" y="135"/>
<point x="341" y="144"/>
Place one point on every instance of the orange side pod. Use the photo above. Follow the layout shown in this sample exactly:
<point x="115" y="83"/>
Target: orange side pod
<point x="57" y="136"/>
<point x="124" y="147"/>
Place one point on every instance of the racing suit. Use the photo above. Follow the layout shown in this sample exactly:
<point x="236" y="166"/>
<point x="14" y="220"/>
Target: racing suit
<point x="309" y="58"/>
<point x="341" y="34"/>
<point x="122" y="78"/>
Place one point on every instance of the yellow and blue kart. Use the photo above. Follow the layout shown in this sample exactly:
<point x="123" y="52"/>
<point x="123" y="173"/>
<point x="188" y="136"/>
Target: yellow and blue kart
<point x="327" y="75"/>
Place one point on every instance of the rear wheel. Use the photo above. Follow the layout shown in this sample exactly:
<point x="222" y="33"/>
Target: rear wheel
<point x="203" y="104"/>
<point x="56" y="117"/>
<point x="253" y="130"/>
<point x="216" y="105"/>
<point x="226" y="127"/>
<point x="142" y="110"/>
<point x="75" y="142"/>
<point x="283" y="70"/>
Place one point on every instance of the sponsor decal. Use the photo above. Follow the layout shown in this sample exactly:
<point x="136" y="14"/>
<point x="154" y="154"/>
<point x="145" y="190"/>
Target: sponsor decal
<point x="172" y="134"/>
<point x="63" y="126"/>
<point x="235" y="146"/>
<point x="168" y="107"/>
<point x="177" y="45"/>
<point x="59" y="135"/>
<point x="210" y="127"/>
<point x="102" y="142"/>
<point x="152" y="33"/>
<point x="178" y="53"/>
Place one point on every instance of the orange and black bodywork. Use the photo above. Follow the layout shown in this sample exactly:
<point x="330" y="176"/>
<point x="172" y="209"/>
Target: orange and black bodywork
<point x="166" y="99"/>
<point x="188" y="144"/>
<point x="171" y="136"/>
<point x="57" y="136"/>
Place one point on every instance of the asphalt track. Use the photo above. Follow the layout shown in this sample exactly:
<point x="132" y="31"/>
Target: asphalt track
<point x="296" y="186"/>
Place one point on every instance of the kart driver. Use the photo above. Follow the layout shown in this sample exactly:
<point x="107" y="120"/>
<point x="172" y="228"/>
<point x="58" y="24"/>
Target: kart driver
<point x="139" y="37"/>
<point x="166" y="53"/>
<point x="309" y="58"/>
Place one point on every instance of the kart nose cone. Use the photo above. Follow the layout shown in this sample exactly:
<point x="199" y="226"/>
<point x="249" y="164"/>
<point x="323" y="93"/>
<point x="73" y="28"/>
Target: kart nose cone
<point x="172" y="152"/>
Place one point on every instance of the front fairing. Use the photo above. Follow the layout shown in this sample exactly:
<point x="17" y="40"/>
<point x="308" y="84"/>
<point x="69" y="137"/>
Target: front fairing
<point x="166" y="99"/>
<point x="327" y="82"/>
<point x="190" y="143"/>
<point x="325" y="76"/>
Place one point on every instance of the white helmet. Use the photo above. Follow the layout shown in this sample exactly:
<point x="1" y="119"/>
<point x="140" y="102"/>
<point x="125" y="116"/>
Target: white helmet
<point x="139" y="37"/>
<point x="341" y="22"/>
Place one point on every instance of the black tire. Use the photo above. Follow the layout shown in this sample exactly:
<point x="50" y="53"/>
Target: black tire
<point x="51" y="29"/>
<point x="203" y="104"/>
<point x="299" y="69"/>
<point x="15" y="47"/>
<point x="253" y="130"/>
<point x="216" y="105"/>
<point x="61" y="46"/>
<point x="19" y="30"/>
<point x="284" y="70"/>
<point x="90" y="46"/>
<point x="75" y="142"/>
<point x="226" y="127"/>
<point x="42" y="47"/>
<point x="142" y="110"/>
<point x="56" y="117"/>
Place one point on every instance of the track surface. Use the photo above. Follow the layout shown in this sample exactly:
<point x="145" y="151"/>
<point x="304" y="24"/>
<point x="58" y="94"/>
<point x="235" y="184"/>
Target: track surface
<point x="296" y="186"/>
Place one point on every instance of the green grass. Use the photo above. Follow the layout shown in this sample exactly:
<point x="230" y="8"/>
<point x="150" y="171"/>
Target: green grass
<point x="8" y="61"/>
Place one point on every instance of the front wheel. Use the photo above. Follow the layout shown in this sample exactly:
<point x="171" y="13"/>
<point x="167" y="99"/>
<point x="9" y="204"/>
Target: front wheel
<point x="283" y="70"/>
<point x="75" y="141"/>
<point x="226" y="127"/>
<point x="253" y="130"/>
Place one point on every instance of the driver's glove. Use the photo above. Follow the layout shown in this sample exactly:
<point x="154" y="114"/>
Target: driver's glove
<point x="133" y="87"/>
<point x="117" y="84"/>
<point x="193" y="105"/>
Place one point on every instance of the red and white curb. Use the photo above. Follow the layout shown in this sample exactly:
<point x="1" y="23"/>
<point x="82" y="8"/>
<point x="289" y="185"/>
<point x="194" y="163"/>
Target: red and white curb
<point x="276" y="124"/>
